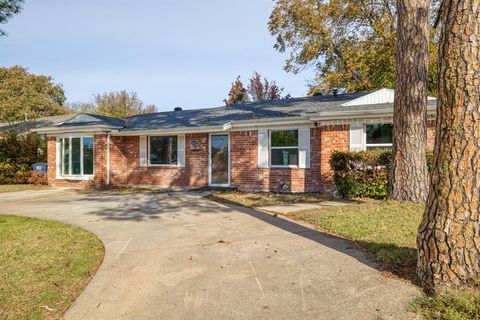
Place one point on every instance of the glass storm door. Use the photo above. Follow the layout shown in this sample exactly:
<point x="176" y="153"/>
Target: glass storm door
<point x="219" y="160"/>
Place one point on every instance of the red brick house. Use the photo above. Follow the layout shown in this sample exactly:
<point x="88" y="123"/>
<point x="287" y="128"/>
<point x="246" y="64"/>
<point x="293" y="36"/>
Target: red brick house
<point x="281" y="145"/>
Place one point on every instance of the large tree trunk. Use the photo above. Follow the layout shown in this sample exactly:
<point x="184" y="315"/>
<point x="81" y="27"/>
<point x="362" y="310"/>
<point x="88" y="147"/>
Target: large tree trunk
<point x="449" y="235"/>
<point x="409" y="173"/>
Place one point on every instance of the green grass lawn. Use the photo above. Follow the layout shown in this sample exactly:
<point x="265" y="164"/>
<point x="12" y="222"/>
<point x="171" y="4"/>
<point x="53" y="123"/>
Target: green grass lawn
<point x="388" y="230"/>
<point x="44" y="265"/>
<point x="20" y="187"/>
<point x="260" y="199"/>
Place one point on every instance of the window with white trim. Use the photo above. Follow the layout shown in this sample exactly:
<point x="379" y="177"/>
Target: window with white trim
<point x="76" y="156"/>
<point x="378" y="136"/>
<point x="283" y="148"/>
<point x="163" y="150"/>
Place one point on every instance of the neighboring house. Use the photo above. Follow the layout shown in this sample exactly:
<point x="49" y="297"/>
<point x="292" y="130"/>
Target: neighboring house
<point x="280" y="145"/>
<point x="23" y="127"/>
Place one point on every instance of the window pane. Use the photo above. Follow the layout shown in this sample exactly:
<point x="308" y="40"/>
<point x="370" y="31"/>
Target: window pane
<point x="285" y="138"/>
<point x="285" y="157"/>
<point x="66" y="155"/>
<point x="87" y="155"/>
<point x="76" y="156"/>
<point x="163" y="150"/>
<point x="379" y="133"/>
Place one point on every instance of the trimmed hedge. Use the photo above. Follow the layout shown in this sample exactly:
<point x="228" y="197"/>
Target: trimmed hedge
<point x="17" y="154"/>
<point x="364" y="173"/>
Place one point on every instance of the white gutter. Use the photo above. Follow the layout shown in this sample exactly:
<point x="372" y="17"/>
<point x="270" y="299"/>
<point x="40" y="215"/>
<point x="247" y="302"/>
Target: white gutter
<point x="360" y="114"/>
<point x="74" y="129"/>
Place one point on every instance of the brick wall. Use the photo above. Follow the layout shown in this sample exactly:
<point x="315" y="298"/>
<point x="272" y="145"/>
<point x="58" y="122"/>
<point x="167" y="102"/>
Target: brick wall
<point x="99" y="153"/>
<point x="125" y="164"/>
<point x="245" y="175"/>
<point x="332" y="138"/>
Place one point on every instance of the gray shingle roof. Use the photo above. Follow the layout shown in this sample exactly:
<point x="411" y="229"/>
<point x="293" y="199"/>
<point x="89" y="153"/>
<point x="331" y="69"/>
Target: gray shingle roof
<point x="25" y="126"/>
<point x="238" y="112"/>
<point x="213" y="117"/>
<point x="86" y="119"/>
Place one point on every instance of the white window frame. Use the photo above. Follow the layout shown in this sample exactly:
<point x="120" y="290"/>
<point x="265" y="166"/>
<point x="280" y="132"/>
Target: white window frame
<point x="273" y="148"/>
<point x="69" y="176"/>
<point x="170" y="165"/>
<point x="375" y="145"/>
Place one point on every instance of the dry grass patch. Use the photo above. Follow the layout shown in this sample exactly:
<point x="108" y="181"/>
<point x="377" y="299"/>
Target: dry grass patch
<point x="44" y="265"/>
<point x="20" y="187"/>
<point x="261" y="199"/>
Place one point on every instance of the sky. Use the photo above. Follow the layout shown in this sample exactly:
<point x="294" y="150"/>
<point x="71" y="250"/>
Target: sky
<point x="175" y="53"/>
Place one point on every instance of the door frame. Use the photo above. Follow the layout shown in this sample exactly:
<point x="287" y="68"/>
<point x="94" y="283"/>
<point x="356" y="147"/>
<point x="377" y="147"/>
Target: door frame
<point x="210" y="159"/>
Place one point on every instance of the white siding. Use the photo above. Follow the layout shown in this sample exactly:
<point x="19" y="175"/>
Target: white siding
<point x="380" y="96"/>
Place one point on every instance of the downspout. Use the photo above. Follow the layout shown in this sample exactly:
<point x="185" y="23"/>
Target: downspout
<point x="108" y="158"/>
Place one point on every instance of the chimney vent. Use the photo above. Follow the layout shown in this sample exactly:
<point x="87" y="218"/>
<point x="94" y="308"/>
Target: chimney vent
<point x="177" y="109"/>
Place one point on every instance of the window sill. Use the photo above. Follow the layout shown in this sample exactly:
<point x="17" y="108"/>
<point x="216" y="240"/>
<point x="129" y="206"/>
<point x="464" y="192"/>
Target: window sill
<point x="164" y="165"/>
<point x="284" y="167"/>
<point x="74" y="177"/>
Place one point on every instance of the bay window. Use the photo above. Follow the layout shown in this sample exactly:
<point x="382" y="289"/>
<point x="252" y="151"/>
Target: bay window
<point x="163" y="150"/>
<point x="378" y="136"/>
<point x="76" y="156"/>
<point x="284" y="148"/>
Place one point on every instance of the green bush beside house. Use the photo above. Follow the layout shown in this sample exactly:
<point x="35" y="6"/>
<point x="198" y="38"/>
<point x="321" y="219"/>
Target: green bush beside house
<point x="364" y="173"/>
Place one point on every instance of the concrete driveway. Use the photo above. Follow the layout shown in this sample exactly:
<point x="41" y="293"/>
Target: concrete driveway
<point x="178" y="256"/>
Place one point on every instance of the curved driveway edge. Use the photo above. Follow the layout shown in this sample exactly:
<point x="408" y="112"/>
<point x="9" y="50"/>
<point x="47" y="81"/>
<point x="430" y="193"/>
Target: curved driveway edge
<point x="179" y="256"/>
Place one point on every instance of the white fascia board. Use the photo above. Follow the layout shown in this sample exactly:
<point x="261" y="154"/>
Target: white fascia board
<point x="229" y="126"/>
<point x="204" y="129"/>
<point x="64" y="131"/>
<point x="361" y="114"/>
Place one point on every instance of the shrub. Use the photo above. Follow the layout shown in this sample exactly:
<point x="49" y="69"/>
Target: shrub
<point x="38" y="177"/>
<point x="363" y="173"/>
<point x="17" y="154"/>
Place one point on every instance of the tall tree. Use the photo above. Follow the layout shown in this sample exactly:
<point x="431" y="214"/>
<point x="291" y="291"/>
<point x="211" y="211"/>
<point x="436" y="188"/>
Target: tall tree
<point x="24" y="95"/>
<point x="449" y="235"/>
<point x="409" y="173"/>
<point x="261" y="89"/>
<point x="258" y="89"/>
<point x="350" y="42"/>
<point x="237" y="94"/>
<point x="120" y="104"/>
<point x="8" y="8"/>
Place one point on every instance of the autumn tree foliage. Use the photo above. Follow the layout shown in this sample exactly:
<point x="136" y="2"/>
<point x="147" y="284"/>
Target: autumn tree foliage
<point x="237" y="94"/>
<point x="26" y="96"/>
<point x="8" y="8"/>
<point x="449" y="235"/>
<point x="261" y="89"/>
<point x="258" y="89"/>
<point x="351" y="43"/>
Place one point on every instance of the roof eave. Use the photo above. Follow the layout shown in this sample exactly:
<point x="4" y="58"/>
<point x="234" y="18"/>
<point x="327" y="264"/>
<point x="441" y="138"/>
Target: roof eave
<point x="75" y="129"/>
<point x="360" y="114"/>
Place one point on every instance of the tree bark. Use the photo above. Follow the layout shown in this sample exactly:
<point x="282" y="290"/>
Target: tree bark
<point x="409" y="173"/>
<point x="449" y="235"/>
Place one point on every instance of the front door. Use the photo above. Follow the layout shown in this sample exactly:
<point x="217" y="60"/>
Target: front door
<point x="219" y="160"/>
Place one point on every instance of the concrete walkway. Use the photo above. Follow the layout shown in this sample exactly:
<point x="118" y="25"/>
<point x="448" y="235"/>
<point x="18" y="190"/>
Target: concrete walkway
<point x="178" y="256"/>
<point x="292" y="207"/>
